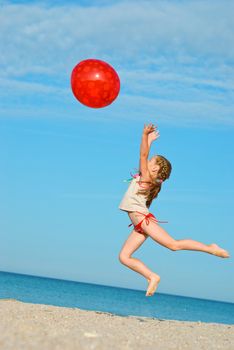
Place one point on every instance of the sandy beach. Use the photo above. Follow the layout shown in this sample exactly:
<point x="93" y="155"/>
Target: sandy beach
<point x="34" y="326"/>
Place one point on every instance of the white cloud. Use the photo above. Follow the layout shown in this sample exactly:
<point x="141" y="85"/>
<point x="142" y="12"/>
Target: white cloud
<point x="176" y="56"/>
<point x="147" y="28"/>
<point x="30" y="87"/>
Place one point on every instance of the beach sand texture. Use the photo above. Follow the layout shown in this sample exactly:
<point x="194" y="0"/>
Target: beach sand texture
<point x="25" y="326"/>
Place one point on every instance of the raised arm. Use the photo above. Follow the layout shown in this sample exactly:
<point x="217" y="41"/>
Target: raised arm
<point x="145" y="145"/>
<point x="148" y="136"/>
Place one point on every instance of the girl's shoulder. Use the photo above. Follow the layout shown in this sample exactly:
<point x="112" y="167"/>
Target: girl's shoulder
<point x="144" y="181"/>
<point x="139" y="178"/>
<point x="145" y="178"/>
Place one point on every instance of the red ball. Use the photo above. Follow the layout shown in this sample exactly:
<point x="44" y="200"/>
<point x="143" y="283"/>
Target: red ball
<point x="95" y="83"/>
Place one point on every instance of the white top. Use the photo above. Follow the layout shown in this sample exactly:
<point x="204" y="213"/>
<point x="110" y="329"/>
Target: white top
<point x="132" y="201"/>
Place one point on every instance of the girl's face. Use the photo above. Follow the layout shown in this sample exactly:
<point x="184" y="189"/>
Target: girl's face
<point x="153" y="166"/>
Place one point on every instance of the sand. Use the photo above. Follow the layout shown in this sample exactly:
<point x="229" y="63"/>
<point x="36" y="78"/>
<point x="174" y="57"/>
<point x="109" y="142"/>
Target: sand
<point x="34" y="326"/>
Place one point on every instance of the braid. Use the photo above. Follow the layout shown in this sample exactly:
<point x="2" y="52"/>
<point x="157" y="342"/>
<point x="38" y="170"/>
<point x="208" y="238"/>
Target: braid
<point x="155" y="187"/>
<point x="165" y="168"/>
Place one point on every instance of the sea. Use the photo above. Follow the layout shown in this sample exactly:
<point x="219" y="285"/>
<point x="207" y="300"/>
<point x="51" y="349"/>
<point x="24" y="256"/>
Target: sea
<point x="114" y="300"/>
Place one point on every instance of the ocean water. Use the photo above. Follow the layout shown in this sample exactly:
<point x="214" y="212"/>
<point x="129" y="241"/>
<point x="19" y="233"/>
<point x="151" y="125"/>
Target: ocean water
<point x="119" y="301"/>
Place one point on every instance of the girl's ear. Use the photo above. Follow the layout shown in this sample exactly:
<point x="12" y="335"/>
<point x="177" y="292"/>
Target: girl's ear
<point x="156" y="167"/>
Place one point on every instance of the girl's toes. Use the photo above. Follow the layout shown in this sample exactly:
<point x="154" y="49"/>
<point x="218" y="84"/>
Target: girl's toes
<point x="221" y="253"/>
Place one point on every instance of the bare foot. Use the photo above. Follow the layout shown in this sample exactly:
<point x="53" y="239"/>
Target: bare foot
<point x="216" y="250"/>
<point x="153" y="284"/>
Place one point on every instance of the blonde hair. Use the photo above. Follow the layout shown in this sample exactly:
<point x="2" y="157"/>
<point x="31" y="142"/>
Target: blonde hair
<point x="155" y="187"/>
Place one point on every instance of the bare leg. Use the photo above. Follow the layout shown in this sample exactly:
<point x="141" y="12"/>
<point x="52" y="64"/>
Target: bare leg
<point x="214" y="249"/>
<point x="133" y="242"/>
<point x="158" y="234"/>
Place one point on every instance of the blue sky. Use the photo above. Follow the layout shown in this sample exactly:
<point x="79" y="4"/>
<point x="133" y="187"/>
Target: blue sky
<point x="63" y="164"/>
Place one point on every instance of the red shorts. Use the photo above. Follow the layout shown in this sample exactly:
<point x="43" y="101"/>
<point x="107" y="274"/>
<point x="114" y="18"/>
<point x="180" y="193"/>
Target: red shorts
<point x="147" y="217"/>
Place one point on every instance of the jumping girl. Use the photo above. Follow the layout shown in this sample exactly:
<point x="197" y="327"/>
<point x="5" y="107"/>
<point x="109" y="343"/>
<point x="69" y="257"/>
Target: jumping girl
<point x="143" y="188"/>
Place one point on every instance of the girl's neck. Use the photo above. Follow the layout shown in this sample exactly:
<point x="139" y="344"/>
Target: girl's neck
<point x="153" y="176"/>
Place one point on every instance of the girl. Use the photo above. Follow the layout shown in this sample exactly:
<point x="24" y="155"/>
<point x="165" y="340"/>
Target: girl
<point x="144" y="187"/>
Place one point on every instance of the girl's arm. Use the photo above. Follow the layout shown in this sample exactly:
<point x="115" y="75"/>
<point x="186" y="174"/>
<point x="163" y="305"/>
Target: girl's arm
<point x="145" y="145"/>
<point x="145" y="148"/>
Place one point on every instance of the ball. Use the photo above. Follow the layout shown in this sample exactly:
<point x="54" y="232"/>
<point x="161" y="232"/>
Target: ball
<point x="95" y="83"/>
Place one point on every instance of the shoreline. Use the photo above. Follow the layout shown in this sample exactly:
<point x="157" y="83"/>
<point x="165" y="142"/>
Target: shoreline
<point x="40" y="326"/>
<point x="119" y="315"/>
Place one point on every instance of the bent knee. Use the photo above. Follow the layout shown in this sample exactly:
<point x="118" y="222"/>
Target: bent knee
<point x="123" y="258"/>
<point x="174" y="246"/>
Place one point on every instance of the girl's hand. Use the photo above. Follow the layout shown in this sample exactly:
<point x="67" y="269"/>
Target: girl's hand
<point x="153" y="136"/>
<point x="148" y="129"/>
